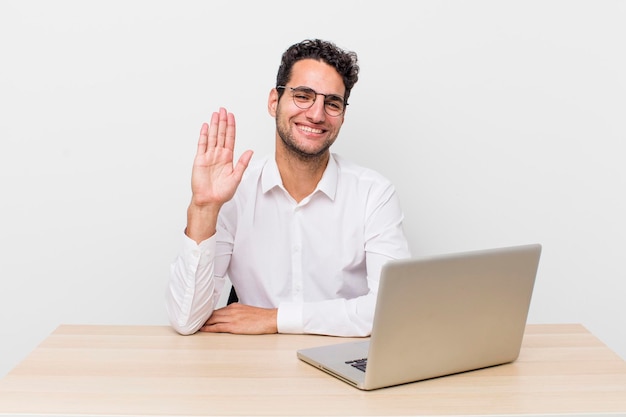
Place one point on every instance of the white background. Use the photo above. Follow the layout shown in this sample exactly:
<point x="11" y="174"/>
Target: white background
<point x="500" y="122"/>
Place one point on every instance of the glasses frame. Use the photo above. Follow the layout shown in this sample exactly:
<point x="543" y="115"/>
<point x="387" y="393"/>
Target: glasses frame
<point x="299" y="105"/>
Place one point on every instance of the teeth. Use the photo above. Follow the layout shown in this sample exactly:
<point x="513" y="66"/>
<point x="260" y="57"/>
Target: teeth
<point x="310" y="129"/>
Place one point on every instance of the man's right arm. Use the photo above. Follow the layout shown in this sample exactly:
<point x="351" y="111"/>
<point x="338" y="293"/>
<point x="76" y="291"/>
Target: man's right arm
<point x="214" y="180"/>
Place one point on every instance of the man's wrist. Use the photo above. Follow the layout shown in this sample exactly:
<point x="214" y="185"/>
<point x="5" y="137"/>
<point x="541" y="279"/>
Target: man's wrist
<point x="201" y="221"/>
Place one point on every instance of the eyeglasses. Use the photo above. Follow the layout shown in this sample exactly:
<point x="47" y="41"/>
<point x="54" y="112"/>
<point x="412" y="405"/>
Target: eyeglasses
<point x="304" y="97"/>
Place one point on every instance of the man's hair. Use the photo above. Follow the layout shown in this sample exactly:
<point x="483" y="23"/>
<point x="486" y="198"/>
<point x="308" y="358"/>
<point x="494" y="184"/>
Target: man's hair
<point x="345" y="62"/>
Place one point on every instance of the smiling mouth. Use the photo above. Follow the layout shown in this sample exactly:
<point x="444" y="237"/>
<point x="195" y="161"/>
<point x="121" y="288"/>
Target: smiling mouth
<point x="308" y="129"/>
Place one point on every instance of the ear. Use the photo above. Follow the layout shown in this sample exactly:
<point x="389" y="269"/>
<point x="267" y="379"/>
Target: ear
<point x="272" y="102"/>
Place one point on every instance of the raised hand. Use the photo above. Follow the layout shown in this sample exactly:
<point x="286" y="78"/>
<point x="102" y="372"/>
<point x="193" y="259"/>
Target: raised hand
<point x="214" y="177"/>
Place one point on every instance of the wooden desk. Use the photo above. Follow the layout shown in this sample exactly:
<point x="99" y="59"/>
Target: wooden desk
<point x="150" y="370"/>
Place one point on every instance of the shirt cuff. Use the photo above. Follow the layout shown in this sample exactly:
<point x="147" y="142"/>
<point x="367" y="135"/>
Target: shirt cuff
<point x="193" y="250"/>
<point x="289" y="319"/>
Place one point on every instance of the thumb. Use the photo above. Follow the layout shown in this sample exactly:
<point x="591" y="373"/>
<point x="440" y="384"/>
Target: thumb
<point x="242" y="163"/>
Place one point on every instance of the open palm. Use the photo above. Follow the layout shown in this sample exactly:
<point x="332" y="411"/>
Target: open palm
<point x="214" y="178"/>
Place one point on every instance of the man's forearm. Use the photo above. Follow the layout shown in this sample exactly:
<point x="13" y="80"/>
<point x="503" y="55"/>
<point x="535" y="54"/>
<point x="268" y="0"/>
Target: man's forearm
<point x="201" y="222"/>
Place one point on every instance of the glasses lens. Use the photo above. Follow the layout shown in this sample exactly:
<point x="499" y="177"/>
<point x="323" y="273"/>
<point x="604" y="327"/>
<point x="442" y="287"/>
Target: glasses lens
<point x="304" y="98"/>
<point x="333" y="105"/>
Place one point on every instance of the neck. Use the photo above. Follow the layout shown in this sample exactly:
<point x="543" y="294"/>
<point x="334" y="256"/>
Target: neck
<point x="300" y="175"/>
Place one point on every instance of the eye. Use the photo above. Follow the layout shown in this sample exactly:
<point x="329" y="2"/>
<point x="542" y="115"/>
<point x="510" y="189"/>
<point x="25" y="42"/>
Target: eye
<point x="303" y="94"/>
<point x="334" y="103"/>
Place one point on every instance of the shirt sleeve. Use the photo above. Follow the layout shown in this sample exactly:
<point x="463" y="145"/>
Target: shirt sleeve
<point x="193" y="290"/>
<point x="336" y="317"/>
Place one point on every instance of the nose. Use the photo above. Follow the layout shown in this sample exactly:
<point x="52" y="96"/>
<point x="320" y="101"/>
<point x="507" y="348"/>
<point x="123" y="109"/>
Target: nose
<point x="316" y="112"/>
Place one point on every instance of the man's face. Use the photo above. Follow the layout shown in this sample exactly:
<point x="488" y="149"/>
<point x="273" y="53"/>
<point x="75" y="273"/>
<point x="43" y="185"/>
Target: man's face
<point x="307" y="133"/>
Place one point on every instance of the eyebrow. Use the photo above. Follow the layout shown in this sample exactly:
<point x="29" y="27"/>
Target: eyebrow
<point x="332" y="95"/>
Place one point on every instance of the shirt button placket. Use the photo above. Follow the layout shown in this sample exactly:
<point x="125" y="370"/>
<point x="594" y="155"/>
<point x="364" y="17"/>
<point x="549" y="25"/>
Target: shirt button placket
<point x="296" y="255"/>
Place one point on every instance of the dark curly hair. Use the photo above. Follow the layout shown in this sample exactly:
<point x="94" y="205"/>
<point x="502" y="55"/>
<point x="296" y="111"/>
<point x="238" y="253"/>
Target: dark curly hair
<point x="345" y="62"/>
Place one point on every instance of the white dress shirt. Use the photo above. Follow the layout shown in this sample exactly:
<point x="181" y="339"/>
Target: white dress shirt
<point x="318" y="261"/>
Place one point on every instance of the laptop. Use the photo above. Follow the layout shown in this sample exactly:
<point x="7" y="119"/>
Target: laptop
<point x="438" y="316"/>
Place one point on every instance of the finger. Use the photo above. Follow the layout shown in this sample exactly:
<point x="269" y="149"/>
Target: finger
<point x="203" y="139"/>
<point x="217" y="322"/>
<point x="219" y="315"/>
<point x="212" y="135"/>
<point x="222" y="127"/>
<point x="242" y="164"/>
<point x="229" y="142"/>
<point x="215" y="328"/>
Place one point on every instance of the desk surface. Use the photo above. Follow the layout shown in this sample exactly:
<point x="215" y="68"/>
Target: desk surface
<point x="150" y="370"/>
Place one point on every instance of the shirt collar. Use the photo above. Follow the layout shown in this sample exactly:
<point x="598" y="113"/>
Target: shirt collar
<point x="270" y="177"/>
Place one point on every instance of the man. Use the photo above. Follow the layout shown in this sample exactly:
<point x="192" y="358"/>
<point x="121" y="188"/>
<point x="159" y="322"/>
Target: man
<point x="302" y="236"/>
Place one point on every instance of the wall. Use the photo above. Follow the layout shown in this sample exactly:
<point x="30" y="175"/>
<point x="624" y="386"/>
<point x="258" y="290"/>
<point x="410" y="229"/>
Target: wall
<point x="499" y="122"/>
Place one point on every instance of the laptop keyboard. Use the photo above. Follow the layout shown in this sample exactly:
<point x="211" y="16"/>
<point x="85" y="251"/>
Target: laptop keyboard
<point x="359" y="364"/>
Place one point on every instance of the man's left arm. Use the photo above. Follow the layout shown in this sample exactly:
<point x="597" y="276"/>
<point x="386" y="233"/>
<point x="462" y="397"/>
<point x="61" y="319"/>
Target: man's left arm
<point x="384" y="240"/>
